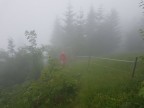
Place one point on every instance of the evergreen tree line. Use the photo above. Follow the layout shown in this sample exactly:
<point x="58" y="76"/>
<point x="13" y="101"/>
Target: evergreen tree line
<point x="94" y="33"/>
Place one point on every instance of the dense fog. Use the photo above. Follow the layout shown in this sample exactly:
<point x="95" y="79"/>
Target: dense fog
<point x="20" y="15"/>
<point x="71" y="54"/>
<point x="34" y="31"/>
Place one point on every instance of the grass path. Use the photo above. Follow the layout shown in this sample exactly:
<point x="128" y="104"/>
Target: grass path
<point x="104" y="83"/>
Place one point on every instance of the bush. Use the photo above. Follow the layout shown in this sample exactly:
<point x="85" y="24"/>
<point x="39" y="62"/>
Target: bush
<point x="56" y="88"/>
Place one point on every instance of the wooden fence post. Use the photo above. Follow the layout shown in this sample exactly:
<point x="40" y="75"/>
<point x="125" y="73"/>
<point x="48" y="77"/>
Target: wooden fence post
<point x="89" y="60"/>
<point x="134" y="67"/>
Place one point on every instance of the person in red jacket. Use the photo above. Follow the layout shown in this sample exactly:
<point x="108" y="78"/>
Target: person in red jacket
<point x="63" y="58"/>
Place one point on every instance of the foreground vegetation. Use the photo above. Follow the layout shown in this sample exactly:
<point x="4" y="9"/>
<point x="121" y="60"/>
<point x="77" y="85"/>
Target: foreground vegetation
<point x="80" y="84"/>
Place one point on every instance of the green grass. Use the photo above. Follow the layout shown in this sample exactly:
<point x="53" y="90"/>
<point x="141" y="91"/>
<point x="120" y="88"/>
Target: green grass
<point x="106" y="84"/>
<point x="95" y="84"/>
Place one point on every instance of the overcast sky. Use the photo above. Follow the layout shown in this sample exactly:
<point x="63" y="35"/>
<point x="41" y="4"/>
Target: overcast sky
<point x="16" y="16"/>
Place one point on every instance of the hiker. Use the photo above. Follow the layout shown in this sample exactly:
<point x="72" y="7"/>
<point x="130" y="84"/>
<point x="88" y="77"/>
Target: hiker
<point x="63" y="58"/>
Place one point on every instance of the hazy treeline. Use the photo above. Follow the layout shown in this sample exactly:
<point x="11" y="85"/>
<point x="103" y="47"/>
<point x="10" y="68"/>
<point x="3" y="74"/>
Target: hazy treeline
<point x="134" y="38"/>
<point x="94" y="33"/>
<point x="23" y="64"/>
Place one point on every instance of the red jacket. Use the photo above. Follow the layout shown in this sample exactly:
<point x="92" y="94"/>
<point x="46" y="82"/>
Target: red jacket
<point x="63" y="57"/>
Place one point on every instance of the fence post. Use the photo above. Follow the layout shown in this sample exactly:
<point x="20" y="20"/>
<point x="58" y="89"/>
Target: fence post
<point x="89" y="60"/>
<point x="134" y="67"/>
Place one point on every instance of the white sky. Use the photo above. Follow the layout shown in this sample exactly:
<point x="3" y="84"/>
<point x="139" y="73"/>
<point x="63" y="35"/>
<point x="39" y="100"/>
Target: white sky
<point x="16" y="16"/>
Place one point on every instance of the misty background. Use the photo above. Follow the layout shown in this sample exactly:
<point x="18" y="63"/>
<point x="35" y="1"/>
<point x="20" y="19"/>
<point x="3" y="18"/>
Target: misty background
<point x="34" y="32"/>
<point x="19" y="15"/>
<point x="71" y="53"/>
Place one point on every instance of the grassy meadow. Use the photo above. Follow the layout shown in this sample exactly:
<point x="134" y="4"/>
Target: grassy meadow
<point x="83" y="83"/>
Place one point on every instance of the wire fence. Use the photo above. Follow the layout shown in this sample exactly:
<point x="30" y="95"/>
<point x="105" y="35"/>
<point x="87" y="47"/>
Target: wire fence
<point x="132" y="62"/>
<point x="103" y="58"/>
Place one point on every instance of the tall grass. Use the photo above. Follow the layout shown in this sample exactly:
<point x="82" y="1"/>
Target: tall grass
<point x="108" y="84"/>
<point x="82" y="84"/>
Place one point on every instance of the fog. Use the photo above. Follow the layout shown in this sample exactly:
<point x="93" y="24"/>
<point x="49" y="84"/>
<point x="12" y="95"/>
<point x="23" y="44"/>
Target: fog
<point x="16" y="16"/>
<point x="71" y="53"/>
